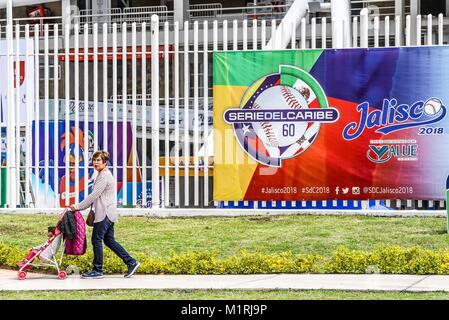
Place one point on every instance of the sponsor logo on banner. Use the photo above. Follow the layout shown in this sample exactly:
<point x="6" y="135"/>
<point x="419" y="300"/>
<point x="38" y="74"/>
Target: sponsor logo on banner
<point x="280" y="115"/>
<point x="401" y="150"/>
<point x="393" y="117"/>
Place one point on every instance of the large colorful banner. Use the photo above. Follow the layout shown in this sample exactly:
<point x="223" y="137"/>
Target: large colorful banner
<point x="331" y="124"/>
<point x="47" y="186"/>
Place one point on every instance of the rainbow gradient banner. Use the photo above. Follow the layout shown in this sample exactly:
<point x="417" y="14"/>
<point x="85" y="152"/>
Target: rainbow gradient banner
<point x="331" y="124"/>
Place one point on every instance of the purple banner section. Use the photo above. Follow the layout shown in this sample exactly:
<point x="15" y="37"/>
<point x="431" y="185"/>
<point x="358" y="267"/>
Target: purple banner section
<point x="276" y="115"/>
<point x="76" y="155"/>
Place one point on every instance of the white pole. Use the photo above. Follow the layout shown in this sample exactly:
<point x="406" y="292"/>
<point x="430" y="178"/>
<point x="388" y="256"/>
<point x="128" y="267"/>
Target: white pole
<point x="186" y="151"/>
<point x="95" y="111"/>
<point x="56" y="112"/>
<point x="418" y="30"/>
<point x="155" y="110"/>
<point x="124" y="116"/>
<point x="303" y="33"/>
<point x="17" y="123"/>
<point x="95" y="85"/>
<point x="364" y="28"/>
<point x="407" y="30"/>
<point x="67" y="112"/>
<point x="176" y="84"/>
<point x="167" y="116"/>
<point x="245" y="34"/>
<point x="215" y="35"/>
<point x="105" y="93"/>
<point x="376" y="31"/>
<point x="387" y="31"/>
<point x="313" y="31"/>
<point x="234" y="34"/>
<point x="263" y="35"/>
<point x="323" y="33"/>
<point x="144" y="115"/>
<point x="206" y="112"/>
<point x="398" y="33"/>
<point x="429" y="30"/>
<point x="114" y="103"/>
<point x="95" y="71"/>
<point x="36" y="112"/>
<point x="225" y="35"/>
<point x="76" y="132"/>
<point x="28" y="115"/>
<point x="10" y="132"/>
<point x="46" y="139"/>
<point x="134" y="115"/>
<point x="355" y="32"/>
<point x="347" y="37"/>
<point x="86" y="110"/>
<point x="196" y="181"/>
<point x="254" y="34"/>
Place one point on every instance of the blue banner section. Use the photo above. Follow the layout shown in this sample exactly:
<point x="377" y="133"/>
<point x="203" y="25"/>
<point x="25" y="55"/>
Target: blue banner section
<point x="356" y="74"/>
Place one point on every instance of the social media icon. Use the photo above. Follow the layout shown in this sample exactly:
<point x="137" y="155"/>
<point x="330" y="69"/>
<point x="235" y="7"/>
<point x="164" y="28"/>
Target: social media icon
<point x="355" y="190"/>
<point x="345" y="190"/>
<point x="337" y="189"/>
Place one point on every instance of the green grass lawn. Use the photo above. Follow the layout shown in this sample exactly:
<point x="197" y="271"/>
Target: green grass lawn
<point x="159" y="237"/>
<point x="220" y="294"/>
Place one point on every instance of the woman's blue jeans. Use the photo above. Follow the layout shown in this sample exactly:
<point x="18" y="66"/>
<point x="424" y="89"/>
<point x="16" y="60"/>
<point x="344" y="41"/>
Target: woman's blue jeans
<point x="104" y="231"/>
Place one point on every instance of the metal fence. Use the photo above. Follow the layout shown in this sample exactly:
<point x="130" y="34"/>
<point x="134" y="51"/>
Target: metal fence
<point x="143" y="94"/>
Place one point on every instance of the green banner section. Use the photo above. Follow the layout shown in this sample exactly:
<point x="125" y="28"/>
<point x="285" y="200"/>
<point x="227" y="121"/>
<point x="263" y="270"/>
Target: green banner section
<point x="226" y="64"/>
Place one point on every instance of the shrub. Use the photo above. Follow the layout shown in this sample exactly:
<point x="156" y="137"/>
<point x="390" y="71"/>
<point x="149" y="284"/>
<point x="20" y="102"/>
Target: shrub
<point x="387" y="259"/>
<point x="344" y="260"/>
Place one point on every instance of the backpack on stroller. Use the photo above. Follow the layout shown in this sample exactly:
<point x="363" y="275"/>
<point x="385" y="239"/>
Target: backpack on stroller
<point x="45" y="255"/>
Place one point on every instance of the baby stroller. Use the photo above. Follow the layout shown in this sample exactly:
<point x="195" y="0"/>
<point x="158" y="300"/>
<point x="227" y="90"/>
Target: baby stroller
<point x="46" y="254"/>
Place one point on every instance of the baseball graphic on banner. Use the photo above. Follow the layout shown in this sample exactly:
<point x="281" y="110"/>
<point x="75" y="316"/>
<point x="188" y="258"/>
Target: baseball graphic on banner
<point x="432" y="106"/>
<point x="279" y="115"/>
<point x="279" y="134"/>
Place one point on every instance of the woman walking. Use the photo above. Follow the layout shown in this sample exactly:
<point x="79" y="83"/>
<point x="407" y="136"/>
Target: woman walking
<point x="104" y="200"/>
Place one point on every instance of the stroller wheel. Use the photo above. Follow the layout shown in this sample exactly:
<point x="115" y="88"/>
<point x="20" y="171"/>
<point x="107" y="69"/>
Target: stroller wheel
<point x="62" y="275"/>
<point x="21" y="275"/>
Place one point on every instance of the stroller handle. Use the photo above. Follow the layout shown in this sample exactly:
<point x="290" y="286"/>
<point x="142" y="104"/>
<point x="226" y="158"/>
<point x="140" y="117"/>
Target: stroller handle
<point x="63" y="213"/>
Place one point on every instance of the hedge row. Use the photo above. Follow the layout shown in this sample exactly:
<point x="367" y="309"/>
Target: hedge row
<point x="388" y="259"/>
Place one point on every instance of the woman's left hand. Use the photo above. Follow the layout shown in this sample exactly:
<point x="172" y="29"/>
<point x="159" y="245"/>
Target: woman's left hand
<point x="73" y="207"/>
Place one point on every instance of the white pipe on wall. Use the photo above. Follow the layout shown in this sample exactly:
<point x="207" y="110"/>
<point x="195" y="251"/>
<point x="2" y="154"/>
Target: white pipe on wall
<point x="282" y="36"/>
<point x="341" y="18"/>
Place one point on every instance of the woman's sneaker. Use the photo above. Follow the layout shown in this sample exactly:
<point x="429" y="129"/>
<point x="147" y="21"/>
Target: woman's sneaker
<point x="93" y="275"/>
<point x="132" y="269"/>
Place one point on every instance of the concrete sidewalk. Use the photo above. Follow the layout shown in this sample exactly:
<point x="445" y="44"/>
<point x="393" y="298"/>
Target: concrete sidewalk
<point x="378" y="282"/>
